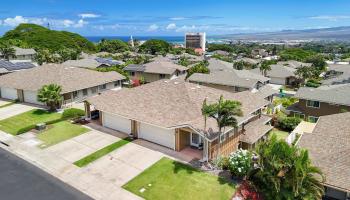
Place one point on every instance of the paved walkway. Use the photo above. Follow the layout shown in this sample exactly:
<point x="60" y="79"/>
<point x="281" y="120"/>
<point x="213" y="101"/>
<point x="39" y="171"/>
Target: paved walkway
<point x="101" y="179"/>
<point x="14" y="109"/>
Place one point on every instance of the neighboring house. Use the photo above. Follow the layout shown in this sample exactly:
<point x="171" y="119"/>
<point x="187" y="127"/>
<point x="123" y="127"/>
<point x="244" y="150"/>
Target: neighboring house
<point x="219" y="65"/>
<point x="231" y="80"/>
<point x="77" y="83"/>
<point x="259" y="53"/>
<point x="294" y="64"/>
<point x="168" y="113"/>
<point x="324" y="100"/>
<point x="221" y="53"/>
<point x="267" y="92"/>
<point x="23" y="54"/>
<point x="93" y="62"/>
<point x="329" y="149"/>
<point x="156" y="70"/>
<point x="280" y="75"/>
<point x="8" y="67"/>
<point x="337" y="74"/>
<point x="251" y="61"/>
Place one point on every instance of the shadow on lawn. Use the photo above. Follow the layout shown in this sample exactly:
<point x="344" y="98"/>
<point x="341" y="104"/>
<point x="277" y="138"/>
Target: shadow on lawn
<point x="42" y="112"/>
<point x="182" y="167"/>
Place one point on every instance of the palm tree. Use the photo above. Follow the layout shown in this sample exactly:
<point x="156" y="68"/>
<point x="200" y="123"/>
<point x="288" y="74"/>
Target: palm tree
<point x="51" y="95"/>
<point x="286" y="172"/>
<point x="7" y="51"/>
<point x="265" y="66"/>
<point x="304" y="72"/>
<point x="224" y="112"/>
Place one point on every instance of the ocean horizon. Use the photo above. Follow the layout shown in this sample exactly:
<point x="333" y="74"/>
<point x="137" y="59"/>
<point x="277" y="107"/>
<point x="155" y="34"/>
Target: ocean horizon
<point x="170" y="39"/>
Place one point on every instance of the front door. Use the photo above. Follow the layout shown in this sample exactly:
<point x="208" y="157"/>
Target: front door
<point x="195" y="139"/>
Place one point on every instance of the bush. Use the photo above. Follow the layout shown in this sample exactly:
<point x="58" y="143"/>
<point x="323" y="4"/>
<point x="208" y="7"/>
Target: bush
<point x="240" y="162"/>
<point x="288" y="123"/>
<point x="72" y="113"/>
<point x="313" y="83"/>
<point x="285" y="101"/>
<point x="223" y="163"/>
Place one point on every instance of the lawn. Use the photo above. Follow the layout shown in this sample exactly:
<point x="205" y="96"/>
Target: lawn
<point x="98" y="154"/>
<point x="171" y="180"/>
<point x="16" y="124"/>
<point x="281" y="135"/>
<point x="59" y="132"/>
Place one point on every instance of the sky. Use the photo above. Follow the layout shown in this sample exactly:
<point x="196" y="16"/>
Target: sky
<point x="174" y="17"/>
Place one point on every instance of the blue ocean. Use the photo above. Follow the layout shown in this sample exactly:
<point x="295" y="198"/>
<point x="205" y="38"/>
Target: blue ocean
<point x="170" y="39"/>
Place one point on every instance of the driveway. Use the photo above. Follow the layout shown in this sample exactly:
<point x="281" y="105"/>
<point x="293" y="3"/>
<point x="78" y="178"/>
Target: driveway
<point x="14" y="109"/>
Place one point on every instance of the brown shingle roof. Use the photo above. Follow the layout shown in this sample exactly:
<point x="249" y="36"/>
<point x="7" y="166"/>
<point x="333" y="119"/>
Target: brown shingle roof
<point x="171" y="103"/>
<point x="329" y="148"/>
<point x="70" y="78"/>
<point x="256" y="129"/>
<point x="163" y="67"/>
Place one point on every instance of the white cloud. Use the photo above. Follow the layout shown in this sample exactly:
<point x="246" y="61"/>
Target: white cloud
<point x="171" y="26"/>
<point x="80" y="24"/>
<point x="89" y="15"/>
<point x="330" y="17"/>
<point x="177" y="18"/>
<point x="153" y="27"/>
<point x="67" y="23"/>
<point x="15" y="21"/>
<point x="103" y="27"/>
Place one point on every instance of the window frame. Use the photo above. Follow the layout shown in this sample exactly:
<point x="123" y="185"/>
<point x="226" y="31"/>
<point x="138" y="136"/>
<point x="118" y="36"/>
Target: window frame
<point x="85" y="92"/>
<point x="312" y="106"/>
<point x="75" y="94"/>
<point x="315" y="119"/>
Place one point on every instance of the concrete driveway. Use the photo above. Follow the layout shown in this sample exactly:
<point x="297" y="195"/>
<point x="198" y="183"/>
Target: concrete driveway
<point x="14" y="109"/>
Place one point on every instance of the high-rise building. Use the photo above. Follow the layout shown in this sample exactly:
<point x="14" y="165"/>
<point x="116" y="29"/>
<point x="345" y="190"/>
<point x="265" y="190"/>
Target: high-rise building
<point x="195" y="41"/>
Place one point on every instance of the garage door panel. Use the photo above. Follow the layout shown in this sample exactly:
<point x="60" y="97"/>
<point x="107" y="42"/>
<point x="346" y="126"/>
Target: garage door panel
<point x="31" y="97"/>
<point x="9" y="93"/>
<point x="157" y="135"/>
<point x="116" y="122"/>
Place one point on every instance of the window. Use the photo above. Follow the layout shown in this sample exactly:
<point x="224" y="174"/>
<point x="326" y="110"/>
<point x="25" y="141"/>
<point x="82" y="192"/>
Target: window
<point x="222" y="138"/>
<point x="94" y="90"/>
<point x="132" y="73"/>
<point x="312" y="119"/>
<point x="116" y="84"/>
<point x="299" y="115"/>
<point x="85" y="92"/>
<point x="313" y="104"/>
<point x="103" y="87"/>
<point x="161" y="76"/>
<point x="75" y="94"/>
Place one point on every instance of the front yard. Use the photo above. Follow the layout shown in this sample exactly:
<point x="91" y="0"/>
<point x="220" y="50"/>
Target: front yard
<point x="168" y="179"/>
<point x="281" y="135"/>
<point x="59" y="132"/>
<point x="20" y="123"/>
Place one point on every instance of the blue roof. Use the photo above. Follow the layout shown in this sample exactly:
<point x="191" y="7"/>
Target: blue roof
<point x="15" y="66"/>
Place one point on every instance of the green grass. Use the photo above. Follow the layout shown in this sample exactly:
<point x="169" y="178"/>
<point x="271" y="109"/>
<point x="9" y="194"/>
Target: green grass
<point x="171" y="180"/>
<point x="14" y="125"/>
<point x="59" y="132"/>
<point x="98" y="154"/>
<point x="281" y="135"/>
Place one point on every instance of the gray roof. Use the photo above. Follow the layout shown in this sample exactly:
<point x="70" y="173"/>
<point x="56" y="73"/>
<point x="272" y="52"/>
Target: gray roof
<point x="219" y="65"/>
<point x="336" y="94"/>
<point x="238" y="78"/>
<point x="7" y="66"/>
<point x="341" y="79"/>
<point x="329" y="149"/>
<point x="135" y="68"/>
<point x="339" y="68"/>
<point x="84" y="63"/>
<point x="70" y="78"/>
<point x="266" y="91"/>
<point x="256" y="129"/>
<point x="294" y="64"/>
<point x="277" y="71"/>
<point x="163" y="67"/>
<point x="248" y="60"/>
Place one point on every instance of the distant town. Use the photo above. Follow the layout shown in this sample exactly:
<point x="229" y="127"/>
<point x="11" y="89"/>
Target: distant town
<point x="173" y="117"/>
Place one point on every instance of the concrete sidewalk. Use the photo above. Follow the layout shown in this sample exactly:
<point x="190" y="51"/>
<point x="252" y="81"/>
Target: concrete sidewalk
<point x="100" y="180"/>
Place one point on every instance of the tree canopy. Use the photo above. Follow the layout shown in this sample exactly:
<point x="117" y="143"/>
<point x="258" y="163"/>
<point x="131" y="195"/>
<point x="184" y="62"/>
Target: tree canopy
<point x="201" y="67"/>
<point x="113" y="46"/>
<point x="295" y="54"/>
<point x="154" y="47"/>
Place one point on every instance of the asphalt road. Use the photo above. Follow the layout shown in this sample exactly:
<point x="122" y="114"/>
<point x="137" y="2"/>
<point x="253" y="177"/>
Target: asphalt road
<point x="22" y="180"/>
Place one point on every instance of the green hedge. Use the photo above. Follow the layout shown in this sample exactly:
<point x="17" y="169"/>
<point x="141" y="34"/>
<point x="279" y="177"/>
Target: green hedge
<point x="73" y="113"/>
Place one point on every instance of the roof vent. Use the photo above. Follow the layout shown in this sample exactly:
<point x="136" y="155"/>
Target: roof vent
<point x="166" y="81"/>
<point x="176" y="82"/>
<point x="198" y="86"/>
<point x="247" y="79"/>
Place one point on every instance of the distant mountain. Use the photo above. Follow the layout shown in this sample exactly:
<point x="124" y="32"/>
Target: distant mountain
<point x="37" y="36"/>
<point x="327" y="34"/>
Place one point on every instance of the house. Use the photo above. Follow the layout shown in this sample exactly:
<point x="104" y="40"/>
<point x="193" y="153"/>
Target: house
<point x="294" y="64"/>
<point x="329" y="149"/>
<point x="251" y="61"/>
<point x="337" y="74"/>
<point x="23" y="54"/>
<point x="259" y="53"/>
<point x="230" y="80"/>
<point x="92" y="62"/>
<point x="324" y="100"/>
<point x="156" y="70"/>
<point x="267" y="92"/>
<point x="8" y="67"/>
<point x="168" y="113"/>
<point x="280" y="75"/>
<point x="77" y="83"/>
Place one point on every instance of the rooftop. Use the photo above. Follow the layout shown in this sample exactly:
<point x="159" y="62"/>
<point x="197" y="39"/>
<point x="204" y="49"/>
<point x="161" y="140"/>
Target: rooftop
<point x="156" y="67"/>
<point x="277" y="70"/>
<point x="70" y="78"/>
<point x="6" y="66"/>
<point x="329" y="148"/>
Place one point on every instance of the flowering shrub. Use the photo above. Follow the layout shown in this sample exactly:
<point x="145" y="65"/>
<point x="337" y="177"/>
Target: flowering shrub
<point x="247" y="191"/>
<point x="240" y="162"/>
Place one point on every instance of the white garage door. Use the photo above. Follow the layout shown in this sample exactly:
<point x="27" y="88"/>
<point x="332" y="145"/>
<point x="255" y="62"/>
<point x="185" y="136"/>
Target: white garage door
<point x="31" y="97"/>
<point x="116" y="122"/>
<point x="157" y="135"/>
<point x="279" y="81"/>
<point x="9" y="93"/>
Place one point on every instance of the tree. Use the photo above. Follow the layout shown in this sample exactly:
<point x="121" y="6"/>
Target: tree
<point x="286" y="172"/>
<point x="240" y="65"/>
<point x="304" y="72"/>
<point x="113" y="46"/>
<point x="51" y="95"/>
<point x="7" y="51"/>
<point x="266" y="66"/>
<point x="224" y="112"/>
<point x="68" y="54"/>
<point x="198" y="68"/>
<point x="184" y="61"/>
<point x="318" y="64"/>
<point x="154" y="46"/>
<point x="43" y="56"/>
